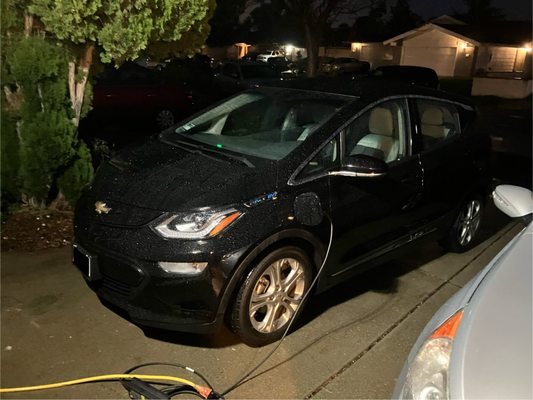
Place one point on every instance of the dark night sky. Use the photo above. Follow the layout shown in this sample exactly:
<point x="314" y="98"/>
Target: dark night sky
<point x="513" y="9"/>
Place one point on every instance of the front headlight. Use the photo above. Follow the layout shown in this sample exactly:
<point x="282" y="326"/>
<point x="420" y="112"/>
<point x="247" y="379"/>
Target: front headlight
<point x="198" y="225"/>
<point x="427" y="378"/>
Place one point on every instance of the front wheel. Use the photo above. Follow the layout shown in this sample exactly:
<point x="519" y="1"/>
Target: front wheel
<point x="269" y="297"/>
<point x="465" y="229"/>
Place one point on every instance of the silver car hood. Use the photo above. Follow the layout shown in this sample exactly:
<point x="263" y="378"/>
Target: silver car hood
<point x="492" y="352"/>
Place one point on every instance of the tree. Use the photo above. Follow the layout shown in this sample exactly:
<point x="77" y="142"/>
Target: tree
<point x="225" y="24"/>
<point x="46" y="56"/>
<point x="372" y="26"/>
<point x="479" y="12"/>
<point x="316" y="16"/>
<point x="39" y="143"/>
<point x="121" y="30"/>
<point x="402" y="18"/>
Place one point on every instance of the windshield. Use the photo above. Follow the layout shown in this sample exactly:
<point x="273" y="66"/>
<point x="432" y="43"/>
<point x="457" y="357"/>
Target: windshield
<point x="266" y="124"/>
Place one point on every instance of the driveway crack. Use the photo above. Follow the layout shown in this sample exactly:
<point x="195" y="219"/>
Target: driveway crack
<point x="389" y="330"/>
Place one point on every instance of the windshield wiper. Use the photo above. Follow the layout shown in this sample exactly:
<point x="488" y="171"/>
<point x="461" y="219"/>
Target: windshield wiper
<point x="199" y="149"/>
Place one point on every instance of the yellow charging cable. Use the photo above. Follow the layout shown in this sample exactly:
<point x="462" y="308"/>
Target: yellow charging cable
<point x="202" y="390"/>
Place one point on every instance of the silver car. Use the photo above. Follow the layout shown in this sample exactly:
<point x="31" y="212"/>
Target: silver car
<point x="479" y="345"/>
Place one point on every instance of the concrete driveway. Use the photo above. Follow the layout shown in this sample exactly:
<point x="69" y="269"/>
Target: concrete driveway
<point x="351" y="343"/>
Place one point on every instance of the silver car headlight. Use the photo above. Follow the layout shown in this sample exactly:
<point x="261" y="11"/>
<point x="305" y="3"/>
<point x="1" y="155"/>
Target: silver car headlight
<point x="427" y="378"/>
<point x="199" y="225"/>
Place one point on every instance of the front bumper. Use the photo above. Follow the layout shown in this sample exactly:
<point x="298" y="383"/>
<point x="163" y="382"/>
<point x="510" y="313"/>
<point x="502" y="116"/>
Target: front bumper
<point x="151" y="296"/>
<point x="125" y="254"/>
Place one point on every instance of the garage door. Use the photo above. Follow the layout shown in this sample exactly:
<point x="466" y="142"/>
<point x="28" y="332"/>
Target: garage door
<point x="441" y="59"/>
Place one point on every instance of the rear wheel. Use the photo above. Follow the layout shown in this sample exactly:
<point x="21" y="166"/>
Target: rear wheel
<point x="269" y="297"/>
<point x="164" y="119"/>
<point x="464" y="232"/>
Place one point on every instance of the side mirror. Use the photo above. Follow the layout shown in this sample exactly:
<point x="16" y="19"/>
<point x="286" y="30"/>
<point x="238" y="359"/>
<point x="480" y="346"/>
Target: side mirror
<point x="514" y="201"/>
<point x="362" y="166"/>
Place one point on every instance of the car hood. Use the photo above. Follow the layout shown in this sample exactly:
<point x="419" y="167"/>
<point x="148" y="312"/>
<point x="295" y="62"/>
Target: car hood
<point x="494" y="342"/>
<point x="159" y="176"/>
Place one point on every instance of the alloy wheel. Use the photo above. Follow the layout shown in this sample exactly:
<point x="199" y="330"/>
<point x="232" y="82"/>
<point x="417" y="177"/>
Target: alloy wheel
<point x="164" y="119"/>
<point x="469" y="222"/>
<point x="276" y="295"/>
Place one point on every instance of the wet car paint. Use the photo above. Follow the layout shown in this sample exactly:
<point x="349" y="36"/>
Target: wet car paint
<point x="144" y="184"/>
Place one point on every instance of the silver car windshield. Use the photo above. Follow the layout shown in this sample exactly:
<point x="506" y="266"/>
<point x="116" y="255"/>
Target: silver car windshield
<point x="266" y="124"/>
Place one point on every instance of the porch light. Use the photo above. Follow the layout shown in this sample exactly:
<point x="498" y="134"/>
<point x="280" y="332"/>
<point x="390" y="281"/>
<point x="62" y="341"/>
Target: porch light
<point x="527" y="47"/>
<point x="356" y="46"/>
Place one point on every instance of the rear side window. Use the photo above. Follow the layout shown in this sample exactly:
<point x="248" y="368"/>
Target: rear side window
<point x="438" y="122"/>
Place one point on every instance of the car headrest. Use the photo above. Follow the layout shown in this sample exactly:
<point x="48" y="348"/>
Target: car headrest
<point x="433" y="116"/>
<point x="380" y="122"/>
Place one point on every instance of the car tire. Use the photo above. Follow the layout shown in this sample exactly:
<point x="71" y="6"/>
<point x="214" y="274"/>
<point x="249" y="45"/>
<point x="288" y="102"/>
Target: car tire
<point x="270" y="296"/>
<point x="464" y="232"/>
<point x="164" y="119"/>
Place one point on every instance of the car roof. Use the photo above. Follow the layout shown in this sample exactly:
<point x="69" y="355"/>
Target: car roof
<point x="367" y="88"/>
<point x="246" y="62"/>
<point x="407" y="70"/>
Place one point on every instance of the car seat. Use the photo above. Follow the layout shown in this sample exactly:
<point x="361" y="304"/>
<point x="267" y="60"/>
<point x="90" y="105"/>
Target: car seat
<point x="381" y="141"/>
<point x="301" y="120"/>
<point x="433" y="123"/>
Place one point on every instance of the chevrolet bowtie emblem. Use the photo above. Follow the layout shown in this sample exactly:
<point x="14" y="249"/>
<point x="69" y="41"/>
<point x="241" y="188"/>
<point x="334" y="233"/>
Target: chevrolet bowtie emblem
<point x="101" y="207"/>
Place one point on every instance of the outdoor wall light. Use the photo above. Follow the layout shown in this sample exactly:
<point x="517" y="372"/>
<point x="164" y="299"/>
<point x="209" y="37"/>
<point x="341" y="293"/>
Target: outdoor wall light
<point x="356" y="46"/>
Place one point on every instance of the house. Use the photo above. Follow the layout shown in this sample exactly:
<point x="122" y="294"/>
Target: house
<point x="498" y="56"/>
<point x="455" y="49"/>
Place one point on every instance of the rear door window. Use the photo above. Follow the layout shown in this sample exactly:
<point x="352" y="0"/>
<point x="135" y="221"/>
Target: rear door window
<point x="439" y="121"/>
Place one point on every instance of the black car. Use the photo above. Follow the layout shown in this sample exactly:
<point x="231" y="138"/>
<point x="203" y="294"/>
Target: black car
<point x="236" y="76"/>
<point x="411" y="74"/>
<point x="346" y="65"/>
<point x="229" y="215"/>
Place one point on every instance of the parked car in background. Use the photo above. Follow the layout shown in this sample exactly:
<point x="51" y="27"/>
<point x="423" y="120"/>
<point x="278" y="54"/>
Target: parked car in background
<point x="346" y="65"/>
<point x="196" y="73"/>
<point x="410" y="74"/>
<point x="133" y="91"/>
<point x="235" y="76"/>
<point x="300" y="66"/>
<point x="282" y="65"/>
<point x="269" y="53"/>
<point x="229" y="215"/>
<point x="479" y="345"/>
<point x="250" y="56"/>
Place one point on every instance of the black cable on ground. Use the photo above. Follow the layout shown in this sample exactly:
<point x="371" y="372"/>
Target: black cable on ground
<point x="245" y="376"/>
<point x="176" y="365"/>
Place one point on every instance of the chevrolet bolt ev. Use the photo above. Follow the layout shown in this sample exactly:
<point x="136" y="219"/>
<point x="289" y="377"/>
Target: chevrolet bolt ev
<point x="229" y="215"/>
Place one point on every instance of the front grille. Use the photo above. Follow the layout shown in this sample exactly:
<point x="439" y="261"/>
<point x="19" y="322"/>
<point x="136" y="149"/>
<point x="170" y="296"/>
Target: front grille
<point x="121" y="214"/>
<point x="116" y="287"/>
<point x="119" y="276"/>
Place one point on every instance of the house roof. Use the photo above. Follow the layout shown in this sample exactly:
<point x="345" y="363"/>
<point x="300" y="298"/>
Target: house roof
<point x="428" y="27"/>
<point x="514" y="33"/>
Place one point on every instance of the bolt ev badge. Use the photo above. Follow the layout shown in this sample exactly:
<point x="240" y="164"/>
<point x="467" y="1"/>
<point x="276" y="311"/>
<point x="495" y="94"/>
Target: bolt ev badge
<point x="101" y="207"/>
